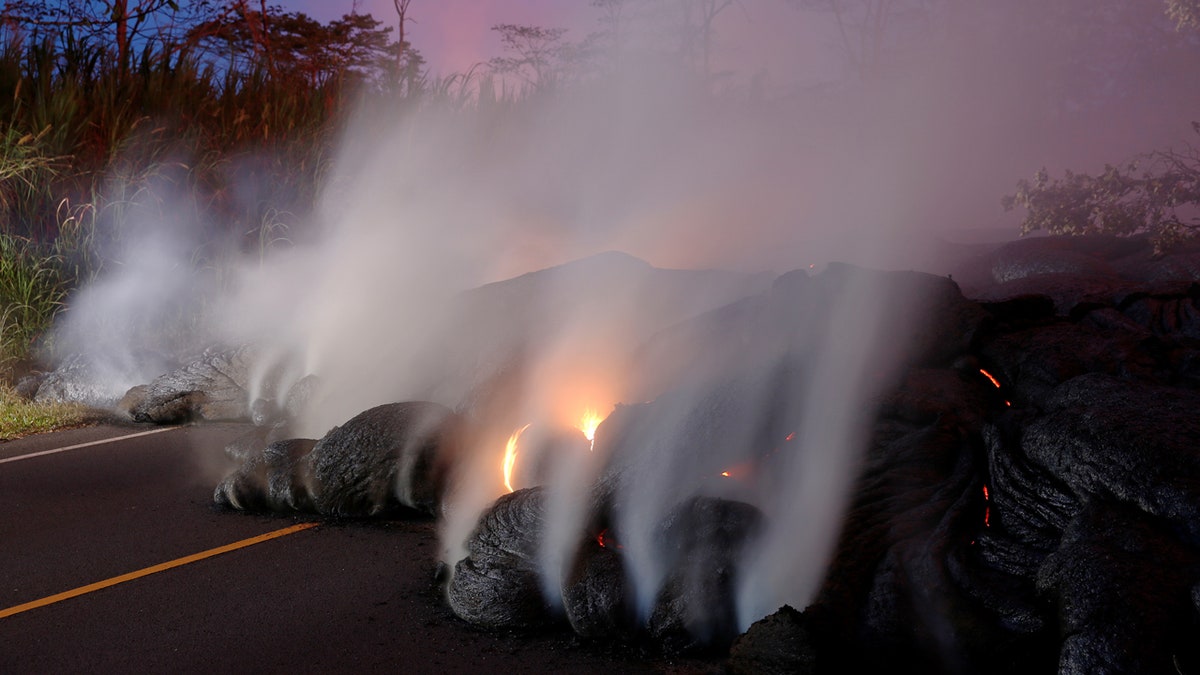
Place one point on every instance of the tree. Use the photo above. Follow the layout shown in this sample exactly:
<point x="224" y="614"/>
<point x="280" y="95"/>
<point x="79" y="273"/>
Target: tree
<point x="123" y="23"/>
<point x="1156" y="193"/>
<point x="539" y="56"/>
<point x="293" y="45"/>
<point x="1186" y="13"/>
<point x="684" y="32"/>
<point x="870" y="32"/>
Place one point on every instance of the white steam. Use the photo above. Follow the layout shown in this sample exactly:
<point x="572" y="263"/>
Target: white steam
<point x="425" y="206"/>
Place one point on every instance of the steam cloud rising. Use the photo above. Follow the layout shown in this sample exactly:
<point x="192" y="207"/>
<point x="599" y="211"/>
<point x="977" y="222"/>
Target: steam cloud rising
<point x="422" y="208"/>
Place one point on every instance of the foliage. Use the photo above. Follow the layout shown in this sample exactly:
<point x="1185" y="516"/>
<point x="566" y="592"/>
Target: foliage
<point x="24" y="169"/>
<point x="539" y="56"/>
<point x="217" y="115"/>
<point x="294" y="47"/>
<point x="33" y="286"/>
<point x="19" y="417"/>
<point x="1185" y="13"/>
<point x="1157" y="193"/>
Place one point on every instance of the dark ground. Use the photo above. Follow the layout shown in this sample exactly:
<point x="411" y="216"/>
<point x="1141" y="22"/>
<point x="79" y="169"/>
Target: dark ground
<point x="347" y="596"/>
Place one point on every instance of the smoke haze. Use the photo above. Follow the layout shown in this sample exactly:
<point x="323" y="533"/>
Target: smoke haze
<point x="893" y="168"/>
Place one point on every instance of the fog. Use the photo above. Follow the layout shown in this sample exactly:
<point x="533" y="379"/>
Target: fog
<point x="897" y="161"/>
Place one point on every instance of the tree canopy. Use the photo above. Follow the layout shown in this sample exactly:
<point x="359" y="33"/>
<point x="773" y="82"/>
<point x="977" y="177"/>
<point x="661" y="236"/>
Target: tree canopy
<point x="239" y="35"/>
<point x="1155" y="193"/>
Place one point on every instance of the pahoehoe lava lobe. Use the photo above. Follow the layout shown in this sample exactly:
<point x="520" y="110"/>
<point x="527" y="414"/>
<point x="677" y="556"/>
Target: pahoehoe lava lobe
<point x="1045" y="522"/>
<point x="498" y="583"/>
<point x="392" y="455"/>
<point x="211" y="387"/>
<point x="1028" y="498"/>
<point x="596" y="595"/>
<point x="274" y="478"/>
<point x="397" y="454"/>
<point x="702" y="542"/>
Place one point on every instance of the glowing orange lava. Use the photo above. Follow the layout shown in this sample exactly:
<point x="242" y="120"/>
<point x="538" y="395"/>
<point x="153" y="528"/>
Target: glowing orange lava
<point x="510" y="456"/>
<point x="994" y="381"/>
<point x="605" y="540"/>
<point x="990" y="377"/>
<point x="987" y="509"/>
<point x="588" y="423"/>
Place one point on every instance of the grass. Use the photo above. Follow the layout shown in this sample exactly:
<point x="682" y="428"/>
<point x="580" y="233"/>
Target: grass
<point x="33" y="286"/>
<point x="91" y="152"/>
<point x="20" y="417"/>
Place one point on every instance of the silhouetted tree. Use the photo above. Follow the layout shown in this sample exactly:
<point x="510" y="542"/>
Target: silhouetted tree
<point x="156" y="25"/>
<point x="871" y="32"/>
<point x="682" y="31"/>
<point x="540" y="57"/>
<point x="409" y="62"/>
<point x="1156" y="193"/>
<point x="292" y="44"/>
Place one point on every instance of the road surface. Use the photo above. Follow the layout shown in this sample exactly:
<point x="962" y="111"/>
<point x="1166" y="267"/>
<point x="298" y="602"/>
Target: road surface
<point x="113" y="559"/>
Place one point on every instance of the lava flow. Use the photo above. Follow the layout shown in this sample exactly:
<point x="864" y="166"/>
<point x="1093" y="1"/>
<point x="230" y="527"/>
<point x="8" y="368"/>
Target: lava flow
<point x="588" y="424"/>
<point x="992" y="378"/>
<point x="510" y="456"/>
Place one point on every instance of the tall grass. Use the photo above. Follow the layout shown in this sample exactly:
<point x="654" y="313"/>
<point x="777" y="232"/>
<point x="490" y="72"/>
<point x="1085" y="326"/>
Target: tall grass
<point x="33" y="285"/>
<point x="237" y="154"/>
<point x="19" y="417"/>
<point x="83" y="145"/>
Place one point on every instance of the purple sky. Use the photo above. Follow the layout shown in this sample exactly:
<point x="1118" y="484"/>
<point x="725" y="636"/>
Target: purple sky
<point x="456" y="34"/>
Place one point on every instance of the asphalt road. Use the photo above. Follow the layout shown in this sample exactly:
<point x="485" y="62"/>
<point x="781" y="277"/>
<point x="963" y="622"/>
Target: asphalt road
<point x="335" y="597"/>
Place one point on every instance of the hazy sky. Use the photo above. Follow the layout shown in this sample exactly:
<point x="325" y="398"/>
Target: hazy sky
<point x="456" y="34"/>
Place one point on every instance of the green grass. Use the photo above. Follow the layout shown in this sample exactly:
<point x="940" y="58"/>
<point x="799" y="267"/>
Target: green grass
<point x="20" y="417"/>
<point x="238" y="155"/>
<point x="33" y="286"/>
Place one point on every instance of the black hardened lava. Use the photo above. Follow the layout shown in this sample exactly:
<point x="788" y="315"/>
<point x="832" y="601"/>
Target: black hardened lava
<point x="1028" y="500"/>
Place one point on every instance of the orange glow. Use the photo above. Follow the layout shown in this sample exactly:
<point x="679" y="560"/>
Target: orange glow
<point x="990" y="377"/>
<point x="510" y="456"/>
<point x="791" y="437"/>
<point x="588" y="424"/>
<point x="605" y="540"/>
<point x="987" y="509"/>
<point x="743" y="471"/>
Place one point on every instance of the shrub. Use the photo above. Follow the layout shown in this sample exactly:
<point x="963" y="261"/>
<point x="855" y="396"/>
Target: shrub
<point x="1157" y="193"/>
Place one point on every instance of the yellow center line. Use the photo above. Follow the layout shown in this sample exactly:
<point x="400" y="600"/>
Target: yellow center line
<point x="66" y="595"/>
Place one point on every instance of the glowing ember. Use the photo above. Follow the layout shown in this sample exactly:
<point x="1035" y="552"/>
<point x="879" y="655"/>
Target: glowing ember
<point x="995" y="382"/>
<point x="990" y="377"/>
<point x="791" y="437"/>
<point x="588" y="423"/>
<point x="725" y="474"/>
<point x="987" y="509"/>
<point x="510" y="456"/>
<point x="605" y="540"/>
